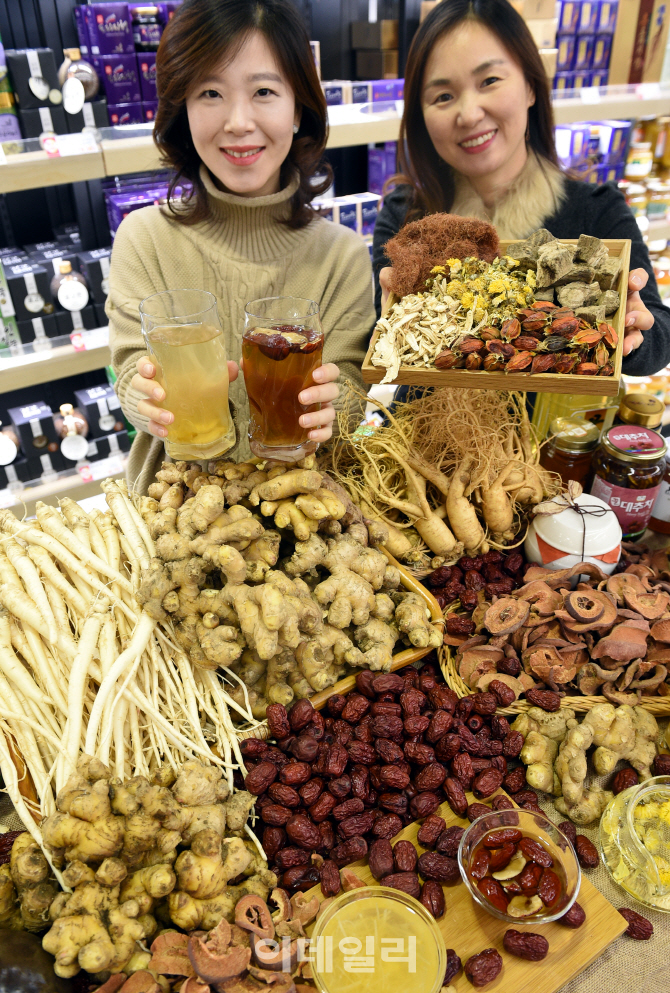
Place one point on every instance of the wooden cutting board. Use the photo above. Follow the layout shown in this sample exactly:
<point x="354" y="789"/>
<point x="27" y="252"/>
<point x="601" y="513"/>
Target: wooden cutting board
<point x="468" y="929"/>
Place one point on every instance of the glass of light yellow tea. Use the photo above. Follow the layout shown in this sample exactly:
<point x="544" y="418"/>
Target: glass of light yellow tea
<point x="183" y="335"/>
<point x="377" y="938"/>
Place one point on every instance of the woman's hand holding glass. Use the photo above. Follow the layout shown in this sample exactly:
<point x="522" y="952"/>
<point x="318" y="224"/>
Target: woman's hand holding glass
<point x="144" y="382"/>
<point x="324" y="391"/>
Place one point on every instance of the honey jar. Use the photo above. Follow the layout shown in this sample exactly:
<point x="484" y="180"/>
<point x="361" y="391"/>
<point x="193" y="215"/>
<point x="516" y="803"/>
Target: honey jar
<point x="628" y="467"/>
<point x="569" y="449"/>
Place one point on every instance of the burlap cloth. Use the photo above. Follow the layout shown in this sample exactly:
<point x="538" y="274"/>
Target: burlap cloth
<point x="627" y="966"/>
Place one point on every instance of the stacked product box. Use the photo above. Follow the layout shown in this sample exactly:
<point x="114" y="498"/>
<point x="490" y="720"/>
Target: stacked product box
<point x="593" y="150"/>
<point x="126" y="195"/>
<point x="121" y="41"/>
<point x="107" y="432"/>
<point x="40" y="446"/>
<point x="382" y="164"/>
<point x="584" y="42"/>
<point x="341" y="91"/>
<point x="357" y="211"/>
<point x="9" y="123"/>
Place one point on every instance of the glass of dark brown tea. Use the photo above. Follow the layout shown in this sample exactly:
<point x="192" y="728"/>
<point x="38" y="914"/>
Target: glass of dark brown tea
<point x="281" y="348"/>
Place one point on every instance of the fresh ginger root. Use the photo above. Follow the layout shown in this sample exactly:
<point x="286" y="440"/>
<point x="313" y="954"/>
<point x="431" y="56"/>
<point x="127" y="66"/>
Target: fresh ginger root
<point x="538" y="754"/>
<point x="31" y="875"/>
<point x="623" y="732"/>
<point x="10" y="912"/>
<point x="261" y="555"/>
<point x="375" y="641"/>
<point x="149" y="885"/>
<point x="286" y="485"/>
<point x="410" y="616"/>
<point x="200" y="899"/>
<point x="581" y="805"/>
<point x="156" y="583"/>
<point x="91" y="929"/>
<point x="321" y="658"/>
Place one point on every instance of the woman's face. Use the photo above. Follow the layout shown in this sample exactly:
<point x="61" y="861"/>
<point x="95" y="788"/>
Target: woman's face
<point x="241" y="120"/>
<point x="475" y="102"/>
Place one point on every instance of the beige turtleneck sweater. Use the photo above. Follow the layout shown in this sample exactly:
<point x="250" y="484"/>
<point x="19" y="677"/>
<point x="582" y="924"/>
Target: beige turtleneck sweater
<point x="241" y="253"/>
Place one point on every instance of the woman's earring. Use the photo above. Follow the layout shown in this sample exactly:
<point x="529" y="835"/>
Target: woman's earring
<point x="296" y="128"/>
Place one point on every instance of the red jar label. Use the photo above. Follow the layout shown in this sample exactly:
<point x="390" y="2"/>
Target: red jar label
<point x="632" y="507"/>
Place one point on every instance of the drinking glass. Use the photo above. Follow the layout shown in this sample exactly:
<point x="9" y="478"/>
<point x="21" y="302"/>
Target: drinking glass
<point x="183" y="335"/>
<point x="281" y="348"/>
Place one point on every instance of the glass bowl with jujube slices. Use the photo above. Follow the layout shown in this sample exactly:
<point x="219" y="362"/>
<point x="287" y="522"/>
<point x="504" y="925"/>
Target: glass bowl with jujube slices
<point x="519" y="867"/>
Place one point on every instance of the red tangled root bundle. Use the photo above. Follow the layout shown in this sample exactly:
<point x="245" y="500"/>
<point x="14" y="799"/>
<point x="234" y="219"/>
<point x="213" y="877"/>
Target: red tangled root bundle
<point x="423" y="244"/>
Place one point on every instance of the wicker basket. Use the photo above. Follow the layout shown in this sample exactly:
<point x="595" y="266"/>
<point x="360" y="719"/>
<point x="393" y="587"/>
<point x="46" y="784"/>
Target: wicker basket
<point x="658" y="706"/>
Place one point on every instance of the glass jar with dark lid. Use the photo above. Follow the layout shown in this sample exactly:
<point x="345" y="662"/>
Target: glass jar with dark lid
<point x="628" y="468"/>
<point x="641" y="408"/>
<point x="568" y="451"/>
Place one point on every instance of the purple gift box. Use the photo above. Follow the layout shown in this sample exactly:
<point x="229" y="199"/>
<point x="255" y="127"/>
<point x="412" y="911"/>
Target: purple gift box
<point x="361" y="92"/>
<point x="149" y="108"/>
<point x="119" y="78"/>
<point x="584" y="52"/>
<point x="383" y="89"/>
<point x="119" y="205"/>
<point x="607" y="13"/>
<point x="601" y="51"/>
<point x="399" y="89"/>
<point x="599" y="78"/>
<point x="572" y="143"/>
<point x="334" y="93"/>
<point x="82" y="30"/>
<point x="588" y="17"/>
<point x="580" y="79"/>
<point x="566" y="53"/>
<point x="168" y="9"/>
<point x="110" y="28"/>
<point x="563" y="81"/>
<point x="146" y="65"/>
<point x="145" y="36"/>
<point x="125" y="113"/>
<point x="369" y="208"/>
<point x="613" y="140"/>
<point x="568" y="18"/>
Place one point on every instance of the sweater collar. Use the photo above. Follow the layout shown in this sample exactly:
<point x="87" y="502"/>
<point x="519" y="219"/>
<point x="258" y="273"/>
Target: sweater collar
<point x="250" y="227"/>
<point x="534" y="196"/>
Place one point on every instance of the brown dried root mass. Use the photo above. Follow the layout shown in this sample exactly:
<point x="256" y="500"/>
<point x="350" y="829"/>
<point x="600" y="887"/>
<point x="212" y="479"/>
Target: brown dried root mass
<point x="423" y="244"/>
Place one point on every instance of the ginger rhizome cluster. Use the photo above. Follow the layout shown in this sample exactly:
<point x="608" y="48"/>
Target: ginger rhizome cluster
<point x="275" y="576"/>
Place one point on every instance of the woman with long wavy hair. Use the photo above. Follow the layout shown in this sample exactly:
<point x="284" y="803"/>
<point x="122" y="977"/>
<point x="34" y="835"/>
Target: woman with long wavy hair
<point x="477" y="140"/>
<point x="242" y="123"/>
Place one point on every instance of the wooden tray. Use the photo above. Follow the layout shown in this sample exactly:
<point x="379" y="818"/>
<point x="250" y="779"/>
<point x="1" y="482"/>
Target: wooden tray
<point x="544" y="382"/>
<point x="468" y="929"/>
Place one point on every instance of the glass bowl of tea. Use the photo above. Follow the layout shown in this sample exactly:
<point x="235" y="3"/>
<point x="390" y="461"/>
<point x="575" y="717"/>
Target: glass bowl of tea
<point x="519" y="867"/>
<point x="377" y="938"/>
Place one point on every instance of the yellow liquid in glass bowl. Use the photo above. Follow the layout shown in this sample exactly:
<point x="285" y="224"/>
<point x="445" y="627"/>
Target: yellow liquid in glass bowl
<point x="377" y="942"/>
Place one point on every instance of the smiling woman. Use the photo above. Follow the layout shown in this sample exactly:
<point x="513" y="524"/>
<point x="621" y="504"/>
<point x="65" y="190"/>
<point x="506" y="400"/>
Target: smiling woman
<point x="477" y="140"/>
<point x="242" y="124"/>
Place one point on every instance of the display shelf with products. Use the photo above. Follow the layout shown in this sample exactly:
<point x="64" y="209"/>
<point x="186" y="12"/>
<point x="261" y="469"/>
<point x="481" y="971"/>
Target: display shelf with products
<point x="130" y="148"/>
<point x="74" y="483"/>
<point x="29" y="367"/>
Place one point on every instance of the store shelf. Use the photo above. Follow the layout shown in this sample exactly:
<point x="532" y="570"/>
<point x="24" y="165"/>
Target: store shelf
<point x="18" y="371"/>
<point x="68" y="484"/>
<point x="594" y="103"/>
<point x="131" y="148"/>
<point x="658" y="231"/>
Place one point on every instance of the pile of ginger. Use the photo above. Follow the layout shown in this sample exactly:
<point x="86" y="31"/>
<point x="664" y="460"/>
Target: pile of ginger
<point x="285" y="609"/>
<point x="133" y="858"/>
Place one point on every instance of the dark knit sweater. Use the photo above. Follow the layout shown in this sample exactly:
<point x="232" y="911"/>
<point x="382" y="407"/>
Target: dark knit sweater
<point x="587" y="209"/>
